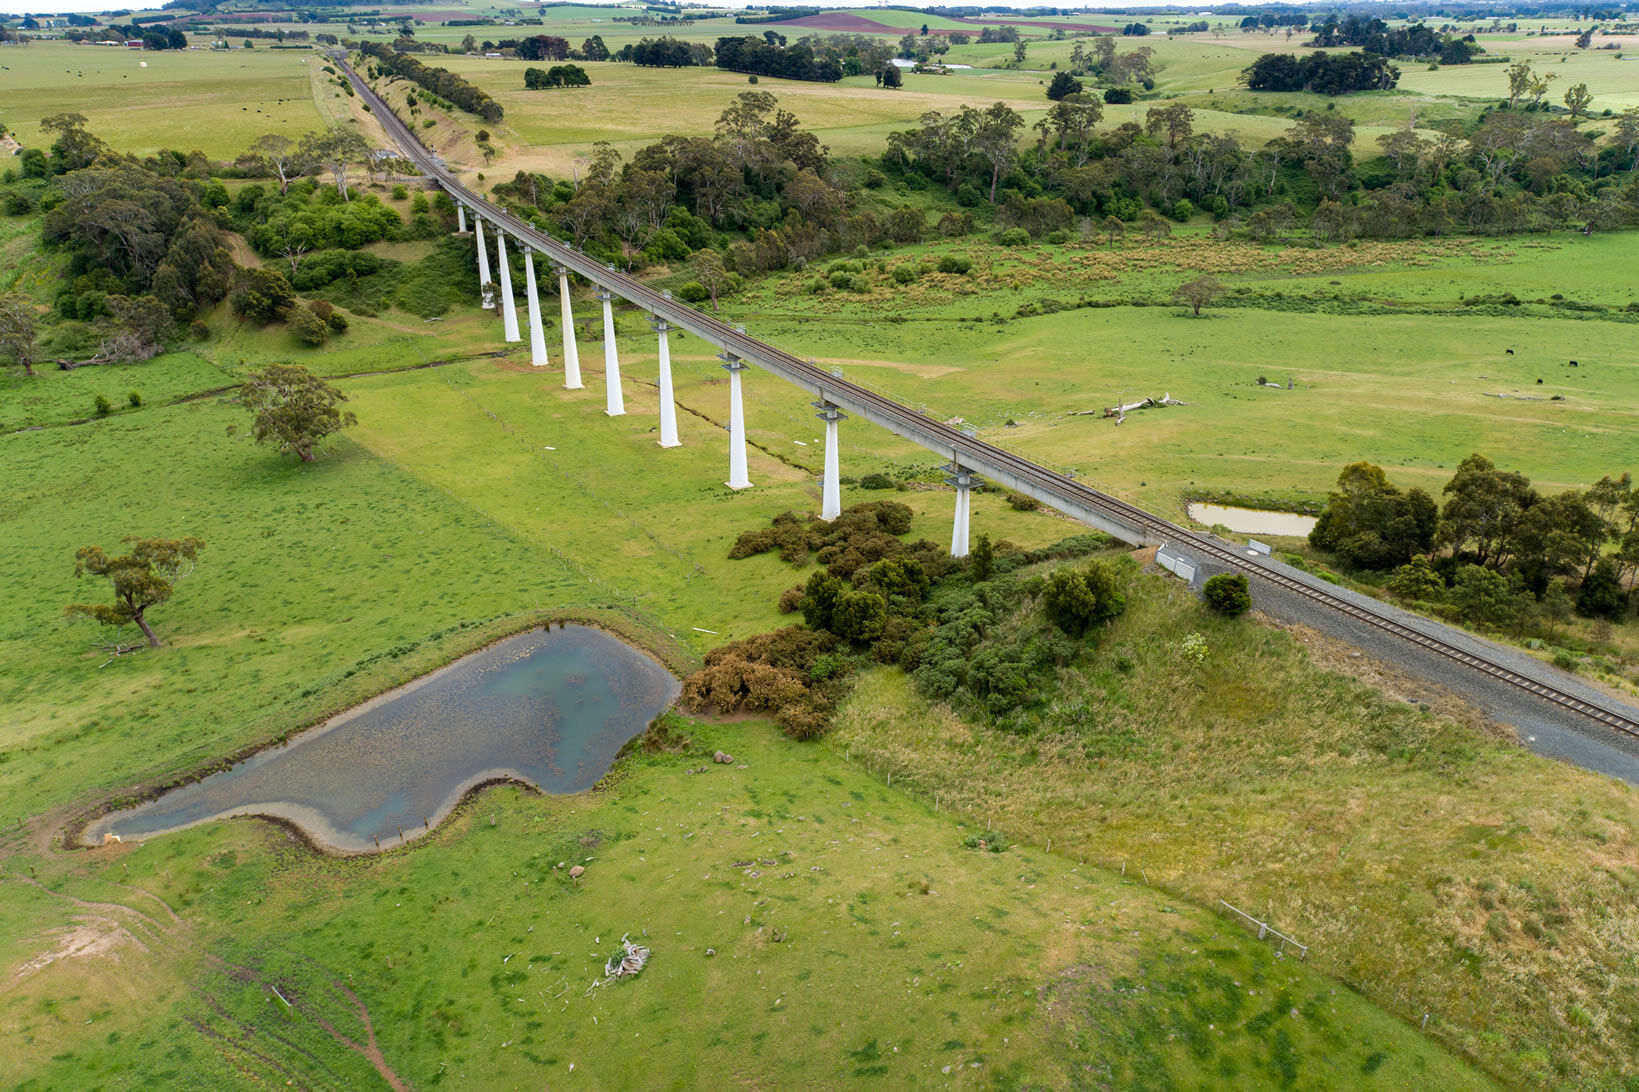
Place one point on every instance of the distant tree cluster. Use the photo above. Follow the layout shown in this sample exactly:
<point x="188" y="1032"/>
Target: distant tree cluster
<point x="1323" y="73"/>
<point x="1375" y="36"/>
<point x="765" y="58"/>
<point x="559" y="75"/>
<point x="665" y="52"/>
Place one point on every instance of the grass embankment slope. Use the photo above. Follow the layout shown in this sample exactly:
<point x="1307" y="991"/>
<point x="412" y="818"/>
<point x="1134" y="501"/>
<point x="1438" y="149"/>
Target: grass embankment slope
<point x="1435" y="869"/>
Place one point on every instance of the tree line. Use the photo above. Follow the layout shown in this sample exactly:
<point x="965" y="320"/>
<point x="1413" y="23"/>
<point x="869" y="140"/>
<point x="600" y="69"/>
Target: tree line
<point x="1375" y="36"/>
<point x="439" y="81"/>
<point x="761" y="57"/>
<point x="1324" y="73"/>
<point x="1513" y="172"/>
<point x="1496" y="548"/>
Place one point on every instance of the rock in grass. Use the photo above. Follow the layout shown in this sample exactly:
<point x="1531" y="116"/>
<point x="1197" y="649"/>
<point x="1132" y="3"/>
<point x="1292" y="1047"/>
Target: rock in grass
<point x="722" y="756"/>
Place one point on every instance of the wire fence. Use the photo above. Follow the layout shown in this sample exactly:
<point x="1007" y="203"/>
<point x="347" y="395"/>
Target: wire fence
<point x="1265" y="930"/>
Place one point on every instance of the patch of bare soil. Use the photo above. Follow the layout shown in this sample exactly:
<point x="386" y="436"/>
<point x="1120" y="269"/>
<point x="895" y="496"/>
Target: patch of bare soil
<point x="90" y="937"/>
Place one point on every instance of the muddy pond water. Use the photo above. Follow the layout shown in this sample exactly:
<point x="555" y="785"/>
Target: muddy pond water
<point x="1252" y="521"/>
<point x="550" y="708"/>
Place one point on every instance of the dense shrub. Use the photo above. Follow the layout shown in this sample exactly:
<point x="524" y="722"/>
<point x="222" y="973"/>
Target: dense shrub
<point x="951" y="263"/>
<point x="306" y="326"/>
<point x="262" y="295"/>
<point x="1014" y="237"/>
<point x="1074" y="599"/>
<point x="1227" y="593"/>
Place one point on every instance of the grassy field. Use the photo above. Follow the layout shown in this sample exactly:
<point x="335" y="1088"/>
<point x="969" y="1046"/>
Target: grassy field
<point x="215" y="102"/>
<point x="1414" y="392"/>
<point x="631" y="107"/>
<point x="476" y="496"/>
<point x="1434" y="869"/>
<point x="849" y="934"/>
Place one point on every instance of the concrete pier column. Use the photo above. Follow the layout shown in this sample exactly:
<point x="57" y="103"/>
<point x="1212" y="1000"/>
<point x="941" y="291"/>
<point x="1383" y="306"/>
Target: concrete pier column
<point x="831" y="503"/>
<point x="571" y="354"/>
<point x="537" y="336"/>
<point x="737" y="477"/>
<point x="486" y="287"/>
<point x="668" y="408"/>
<point x="614" y="401"/>
<point x="509" y="306"/>
<point x="963" y="480"/>
<point x="460" y="218"/>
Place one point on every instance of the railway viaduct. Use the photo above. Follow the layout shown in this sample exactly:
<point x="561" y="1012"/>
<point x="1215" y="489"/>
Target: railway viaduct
<point x="968" y="457"/>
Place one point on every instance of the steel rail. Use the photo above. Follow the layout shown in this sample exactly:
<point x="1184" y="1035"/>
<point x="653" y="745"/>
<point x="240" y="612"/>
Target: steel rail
<point x="1061" y="491"/>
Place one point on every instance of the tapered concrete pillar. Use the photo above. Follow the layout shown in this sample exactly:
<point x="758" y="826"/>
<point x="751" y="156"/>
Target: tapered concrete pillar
<point x="668" y="408"/>
<point x="460" y="218"/>
<point x="737" y="478"/>
<point x="571" y="354"/>
<point x="831" y="502"/>
<point x="537" y="336"/>
<point x="614" y="401"/>
<point x="509" y="306"/>
<point x="963" y="480"/>
<point x="486" y="287"/>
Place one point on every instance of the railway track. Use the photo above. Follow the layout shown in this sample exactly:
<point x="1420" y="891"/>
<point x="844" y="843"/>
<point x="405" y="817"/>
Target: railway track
<point x="1073" y="494"/>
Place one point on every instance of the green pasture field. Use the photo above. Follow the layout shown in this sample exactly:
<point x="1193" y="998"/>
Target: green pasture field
<point x="1613" y="81"/>
<point x="217" y="102"/>
<point x="806" y="925"/>
<point x="1435" y="869"/>
<point x="476" y="497"/>
<point x="1413" y="392"/>
<point x="632" y="106"/>
<point x="441" y="521"/>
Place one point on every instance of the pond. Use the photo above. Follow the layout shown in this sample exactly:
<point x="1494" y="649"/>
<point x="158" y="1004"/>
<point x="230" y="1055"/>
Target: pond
<point x="1252" y="521"/>
<point x="551" y="708"/>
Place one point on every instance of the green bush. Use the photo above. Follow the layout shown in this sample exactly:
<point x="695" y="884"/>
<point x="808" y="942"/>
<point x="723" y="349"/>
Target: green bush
<point x="952" y="263"/>
<point x="135" y="398"/>
<point x="198" y="330"/>
<point x="859" y="282"/>
<point x="308" y="327"/>
<point x="904" y="274"/>
<point x="1227" y="593"/>
<point x="102" y="406"/>
<point x="693" y="292"/>
<point x="263" y="295"/>
<point x="400" y="192"/>
<point x="1016" y="236"/>
<point x="841" y="278"/>
<point x="1058" y="238"/>
<point x="876" y="481"/>
<point x="1022" y="503"/>
<point x="336" y="321"/>
<point x="1074" y="599"/>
